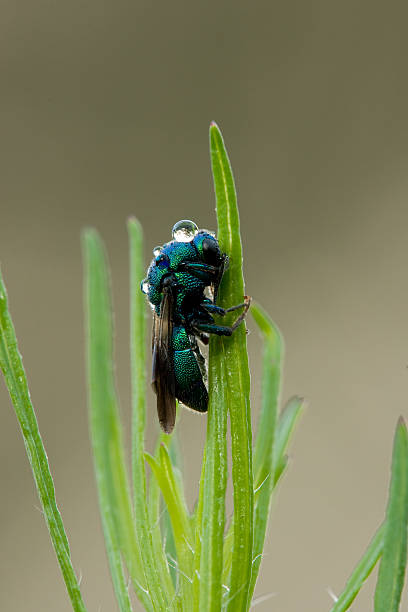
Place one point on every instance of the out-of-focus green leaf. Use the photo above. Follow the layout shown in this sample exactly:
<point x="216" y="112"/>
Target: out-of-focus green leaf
<point x="391" y="573"/>
<point x="360" y="573"/>
<point x="264" y="467"/>
<point x="168" y="575"/>
<point x="272" y="364"/>
<point x="12" y="367"/>
<point x="286" y="425"/>
<point x="154" y="565"/>
<point x="106" y="433"/>
<point x="163" y="472"/>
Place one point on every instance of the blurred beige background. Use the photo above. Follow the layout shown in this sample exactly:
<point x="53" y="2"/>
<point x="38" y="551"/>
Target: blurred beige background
<point x="105" y="108"/>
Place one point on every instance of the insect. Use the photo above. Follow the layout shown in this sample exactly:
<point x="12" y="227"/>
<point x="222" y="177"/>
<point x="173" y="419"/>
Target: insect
<point x="181" y="285"/>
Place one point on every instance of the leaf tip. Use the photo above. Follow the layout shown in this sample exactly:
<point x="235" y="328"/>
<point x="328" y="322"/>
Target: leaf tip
<point x="402" y="428"/>
<point x="88" y="234"/>
<point x="215" y="131"/>
<point x="132" y="221"/>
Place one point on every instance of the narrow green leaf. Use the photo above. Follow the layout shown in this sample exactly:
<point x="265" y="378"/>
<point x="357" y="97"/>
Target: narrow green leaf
<point x="163" y="472"/>
<point x="210" y="512"/>
<point x="272" y="365"/>
<point x="198" y="536"/>
<point x="172" y="444"/>
<point x="178" y="493"/>
<point x="235" y="371"/>
<point x="168" y="575"/>
<point x="361" y="572"/>
<point x="106" y="433"/>
<point x="13" y="370"/>
<point x="280" y="468"/>
<point x="284" y="431"/>
<point x="264" y="446"/>
<point x="286" y="425"/>
<point x="155" y="568"/>
<point x="169" y="544"/>
<point x="227" y="554"/>
<point x="391" y="573"/>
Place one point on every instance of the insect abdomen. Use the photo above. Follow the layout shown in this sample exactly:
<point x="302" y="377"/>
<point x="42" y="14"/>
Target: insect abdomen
<point x="190" y="388"/>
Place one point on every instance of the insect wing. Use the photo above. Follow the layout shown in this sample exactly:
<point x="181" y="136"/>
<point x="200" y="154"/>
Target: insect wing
<point x="163" y="379"/>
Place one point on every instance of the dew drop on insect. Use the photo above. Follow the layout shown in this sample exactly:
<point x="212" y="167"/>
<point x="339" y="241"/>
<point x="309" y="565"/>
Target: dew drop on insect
<point x="157" y="251"/>
<point x="184" y="231"/>
<point x="145" y="286"/>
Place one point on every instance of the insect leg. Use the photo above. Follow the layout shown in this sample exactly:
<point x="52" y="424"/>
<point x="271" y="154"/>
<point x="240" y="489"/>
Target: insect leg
<point x="222" y="330"/>
<point x="211" y="307"/>
<point x="213" y="328"/>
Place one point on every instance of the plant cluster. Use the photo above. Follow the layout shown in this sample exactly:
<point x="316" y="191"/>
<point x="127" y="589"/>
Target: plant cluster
<point x="175" y="559"/>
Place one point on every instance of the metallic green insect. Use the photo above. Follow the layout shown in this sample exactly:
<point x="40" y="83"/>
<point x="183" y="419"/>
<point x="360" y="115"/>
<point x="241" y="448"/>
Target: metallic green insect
<point x="181" y="285"/>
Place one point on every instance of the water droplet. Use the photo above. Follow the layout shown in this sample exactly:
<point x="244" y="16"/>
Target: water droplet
<point x="157" y="251"/>
<point x="144" y="285"/>
<point x="184" y="231"/>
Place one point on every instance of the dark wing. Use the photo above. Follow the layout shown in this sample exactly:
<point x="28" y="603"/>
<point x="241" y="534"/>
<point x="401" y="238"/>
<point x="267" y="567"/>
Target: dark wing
<point x="163" y="379"/>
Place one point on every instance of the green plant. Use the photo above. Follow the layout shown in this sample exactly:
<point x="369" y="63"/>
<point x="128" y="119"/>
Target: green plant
<point x="176" y="563"/>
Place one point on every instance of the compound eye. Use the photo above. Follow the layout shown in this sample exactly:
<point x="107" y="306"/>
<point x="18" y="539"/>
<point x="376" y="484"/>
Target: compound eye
<point x="211" y="252"/>
<point x="162" y="261"/>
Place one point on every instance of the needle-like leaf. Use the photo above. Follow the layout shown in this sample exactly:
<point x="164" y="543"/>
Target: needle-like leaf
<point x="361" y="572"/>
<point x="265" y="441"/>
<point x="391" y="573"/>
<point x="284" y="431"/>
<point x="163" y="472"/>
<point x="155" y="567"/>
<point x="235" y="377"/>
<point x="106" y="433"/>
<point x="12" y="367"/>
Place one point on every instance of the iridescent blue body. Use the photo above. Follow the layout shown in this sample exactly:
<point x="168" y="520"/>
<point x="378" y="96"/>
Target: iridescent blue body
<point x="175" y="285"/>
